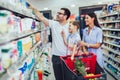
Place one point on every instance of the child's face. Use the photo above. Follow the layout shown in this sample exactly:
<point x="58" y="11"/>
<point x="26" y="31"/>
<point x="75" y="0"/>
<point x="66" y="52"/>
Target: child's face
<point x="71" y="27"/>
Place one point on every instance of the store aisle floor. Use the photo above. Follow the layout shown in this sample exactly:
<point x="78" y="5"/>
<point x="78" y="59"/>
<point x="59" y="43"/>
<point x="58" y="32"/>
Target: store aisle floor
<point x="51" y="76"/>
<point x="109" y="77"/>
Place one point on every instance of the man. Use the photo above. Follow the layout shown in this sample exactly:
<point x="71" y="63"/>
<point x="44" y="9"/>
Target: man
<point x="58" y="46"/>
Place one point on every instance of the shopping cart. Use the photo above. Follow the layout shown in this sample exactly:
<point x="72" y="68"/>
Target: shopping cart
<point x="68" y="68"/>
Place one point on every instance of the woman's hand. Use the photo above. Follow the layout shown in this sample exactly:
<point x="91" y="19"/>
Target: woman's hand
<point x="81" y="43"/>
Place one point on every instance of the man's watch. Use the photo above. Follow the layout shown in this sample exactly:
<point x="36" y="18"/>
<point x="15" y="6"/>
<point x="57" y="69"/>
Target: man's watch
<point x="88" y="45"/>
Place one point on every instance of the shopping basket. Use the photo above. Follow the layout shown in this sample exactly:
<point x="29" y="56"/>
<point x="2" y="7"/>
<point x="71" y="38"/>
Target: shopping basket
<point x="69" y="72"/>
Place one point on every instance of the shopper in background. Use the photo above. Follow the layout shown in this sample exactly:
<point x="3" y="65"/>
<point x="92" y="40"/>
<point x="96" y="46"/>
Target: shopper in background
<point x="73" y="38"/>
<point x="93" y="37"/>
<point x="58" y="46"/>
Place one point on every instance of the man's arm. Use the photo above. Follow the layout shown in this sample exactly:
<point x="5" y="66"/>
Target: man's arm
<point x="39" y="15"/>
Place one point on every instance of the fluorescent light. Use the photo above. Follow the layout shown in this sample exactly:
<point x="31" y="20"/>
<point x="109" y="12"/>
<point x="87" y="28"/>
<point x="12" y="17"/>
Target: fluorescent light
<point x="72" y="5"/>
<point x="99" y="2"/>
<point x="45" y="8"/>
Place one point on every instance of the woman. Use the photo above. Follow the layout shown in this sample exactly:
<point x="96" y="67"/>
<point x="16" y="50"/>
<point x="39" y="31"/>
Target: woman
<point x="92" y="37"/>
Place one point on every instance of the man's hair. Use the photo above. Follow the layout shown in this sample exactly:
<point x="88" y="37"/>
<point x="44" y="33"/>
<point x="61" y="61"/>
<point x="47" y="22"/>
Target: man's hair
<point x="76" y="23"/>
<point x="66" y="12"/>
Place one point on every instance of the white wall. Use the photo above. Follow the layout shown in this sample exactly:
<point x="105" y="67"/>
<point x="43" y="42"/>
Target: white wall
<point x="55" y="5"/>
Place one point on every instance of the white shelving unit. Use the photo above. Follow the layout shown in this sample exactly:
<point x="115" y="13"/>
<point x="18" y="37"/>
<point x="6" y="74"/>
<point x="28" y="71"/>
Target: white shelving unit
<point x="27" y="48"/>
<point x="111" y="28"/>
<point x="108" y="22"/>
<point x="17" y="7"/>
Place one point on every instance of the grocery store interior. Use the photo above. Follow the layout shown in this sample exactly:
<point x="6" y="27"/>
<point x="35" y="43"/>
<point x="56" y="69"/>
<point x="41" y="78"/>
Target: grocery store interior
<point x="26" y="43"/>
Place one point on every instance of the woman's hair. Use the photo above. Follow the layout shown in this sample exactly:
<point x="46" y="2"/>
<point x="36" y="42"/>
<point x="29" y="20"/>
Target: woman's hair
<point x="93" y="15"/>
<point x="76" y="23"/>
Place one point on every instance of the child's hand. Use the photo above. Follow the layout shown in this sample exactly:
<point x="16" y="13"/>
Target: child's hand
<point x="72" y="58"/>
<point x="81" y="43"/>
<point x="80" y="52"/>
<point x="86" y="52"/>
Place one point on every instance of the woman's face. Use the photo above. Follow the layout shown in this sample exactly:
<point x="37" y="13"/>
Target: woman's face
<point x="89" y="20"/>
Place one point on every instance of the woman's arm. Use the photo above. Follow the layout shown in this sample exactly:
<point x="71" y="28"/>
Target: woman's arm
<point x="96" y="45"/>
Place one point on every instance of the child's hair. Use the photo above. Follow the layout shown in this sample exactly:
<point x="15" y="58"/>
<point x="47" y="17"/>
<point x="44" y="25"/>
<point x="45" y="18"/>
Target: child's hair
<point x="76" y="23"/>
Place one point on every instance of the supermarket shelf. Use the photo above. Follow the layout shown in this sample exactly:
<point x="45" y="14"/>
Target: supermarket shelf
<point x="17" y="13"/>
<point x="40" y="54"/>
<point x="37" y="49"/>
<point x="107" y="15"/>
<point x="111" y="73"/>
<point x="112" y="64"/>
<point x="110" y="29"/>
<point x="112" y="36"/>
<point x="107" y="22"/>
<point x="33" y="48"/>
<point x="112" y="58"/>
<point x="111" y="43"/>
<point x="109" y="49"/>
<point x="15" y="37"/>
<point x="19" y="63"/>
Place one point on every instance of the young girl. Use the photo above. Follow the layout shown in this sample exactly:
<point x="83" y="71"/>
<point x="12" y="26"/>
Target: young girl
<point x="72" y="39"/>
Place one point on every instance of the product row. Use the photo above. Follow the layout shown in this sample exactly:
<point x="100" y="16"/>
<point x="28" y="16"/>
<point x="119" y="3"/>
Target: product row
<point x="110" y="18"/>
<point x="19" y="6"/>
<point x="9" y="23"/>
<point x="113" y="48"/>
<point x="21" y="53"/>
<point x="112" y="33"/>
<point x="112" y="70"/>
<point x="111" y="61"/>
<point x="111" y="25"/>
<point x="113" y="41"/>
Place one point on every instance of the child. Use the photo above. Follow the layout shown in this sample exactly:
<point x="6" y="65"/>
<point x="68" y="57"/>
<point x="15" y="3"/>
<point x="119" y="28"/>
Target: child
<point x="72" y="39"/>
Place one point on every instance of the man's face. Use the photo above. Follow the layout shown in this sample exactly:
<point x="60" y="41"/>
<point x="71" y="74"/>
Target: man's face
<point x="60" y="15"/>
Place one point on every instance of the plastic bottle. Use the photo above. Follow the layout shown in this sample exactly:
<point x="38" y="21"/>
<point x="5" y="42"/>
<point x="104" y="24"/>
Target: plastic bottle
<point x="5" y="58"/>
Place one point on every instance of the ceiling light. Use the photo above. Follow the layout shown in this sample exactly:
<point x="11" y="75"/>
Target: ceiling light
<point x="72" y="5"/>
<point x="45" y="8"/>
<point x="99" y="2"/>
